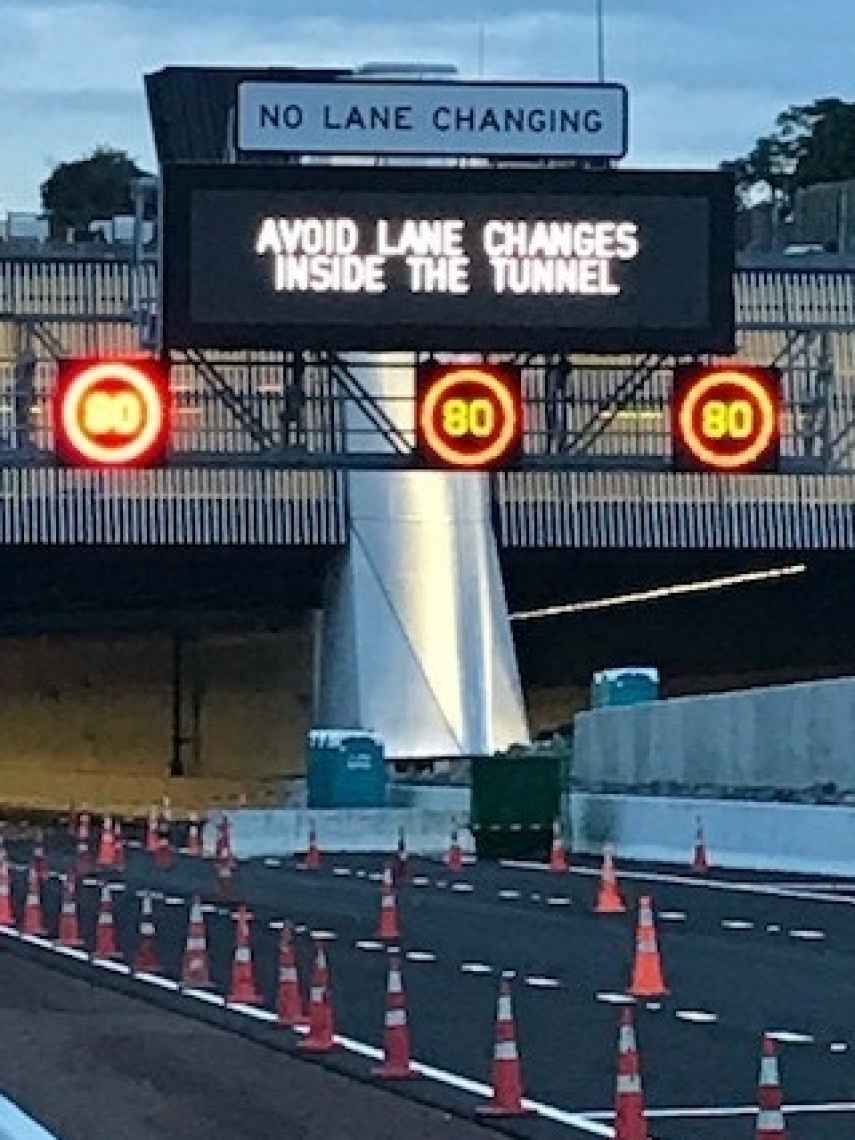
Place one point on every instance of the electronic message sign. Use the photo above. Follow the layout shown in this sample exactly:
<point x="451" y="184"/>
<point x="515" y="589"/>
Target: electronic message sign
<point x="111" y="413"/>
<point x="726" y="417"/>
<point x="468" y="416"/>
<point x="447" y="260"/>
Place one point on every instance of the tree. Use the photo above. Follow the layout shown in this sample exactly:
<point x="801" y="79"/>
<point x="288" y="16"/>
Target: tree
<point x="812" y="143"/>
<point x="96" y="186"/>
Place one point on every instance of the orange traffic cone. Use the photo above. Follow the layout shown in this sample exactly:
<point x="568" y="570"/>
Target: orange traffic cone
<point x="609" y="898"/>
<point x="388" y="926"/>
<point x="69" y="927"/>
<point x="194" y="837"/>
<point x="106" y="945"/>
<point x="195" y="968"/>
<point x="630" y="1121"/>
<point x="289" y="1003"/>
<point x="647" y="979"/>
<point x="223" y="868"/>
<point x="39" y="858"/>
<point x="558" y="860"/>
<point x="243" y="989"/>
<point x="507" y="1071"/>
<point x="107" y="846"/>
<point x="33" y="922"/>
<point x="700" y="859"/>
<point x="151" y="831"/>
<point x="402" y="866"/>
<point x="396" y="1033"/>
<point x="146" y="959"/>
<point x="454" y="856"/>
<point x="119" y="861"/>
<point x="770" y="1119"/>
<point x="312" y="862"/>
<point x="321" y="1036"/>
<point x="7" y="911"/>
<point x="84" y="855"/>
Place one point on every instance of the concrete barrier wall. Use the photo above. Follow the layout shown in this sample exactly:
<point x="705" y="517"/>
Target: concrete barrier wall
<point x="286" y="831"/>
<point x="798" y="838"/>
<point x="785" y="736"/>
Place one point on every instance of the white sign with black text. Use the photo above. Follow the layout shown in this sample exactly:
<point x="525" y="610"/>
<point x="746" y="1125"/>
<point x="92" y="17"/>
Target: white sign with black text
<point x="542" y="120"/>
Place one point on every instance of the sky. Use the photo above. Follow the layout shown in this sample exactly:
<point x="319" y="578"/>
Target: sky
<point x="705" y="77"/>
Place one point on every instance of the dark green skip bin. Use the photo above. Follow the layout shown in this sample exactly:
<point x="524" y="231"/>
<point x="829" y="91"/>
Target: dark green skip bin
<point x="514" y="802"/>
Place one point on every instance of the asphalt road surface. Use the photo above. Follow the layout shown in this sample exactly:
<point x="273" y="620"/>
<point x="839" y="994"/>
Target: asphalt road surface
<point x="742" y="956"/>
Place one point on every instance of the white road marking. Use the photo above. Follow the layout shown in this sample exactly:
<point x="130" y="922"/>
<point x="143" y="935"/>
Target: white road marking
<point x="361" y="874"/>
<point x="421" y="956"/>
<point x="542" y="983"/>
<point x="696" y="884"/>
<point x="535" y="897"/>
<point x="558" y="900"/>
<point x="9" y="931"/>
<point x="114" y="887"/>
<point x="276" y="924"/>
<point x="88" y="882"/>
<point x="174" y="900"/>
<point x="204" y="995"/>
<point x="15" y="1123"/>
<point x="209" y="908"/>
<point x="838" y="1047"/>
<point x="106" y="964"/>
<point x="773" y="928"/>
<point x="475" y="968"/>
<point x="342" y="871"/>
<point x="736" y="924"/>
<point x="376" y="877"/>
<point x="717" y="1113"/>
<point x="254" y="1011"/>
<point x="71" y="952"/>
<point x="671" y="915"/>
<point x="616" y="999"/>
<point x="787" y="1037"/>
<point x="440" y="883"/>
<point x="37" y="941"/>
<point x="462" y="887"/>
<point x="421" y="881"/>
<point x="509" y="894"/>
<point x="154" y="980"/>
<point x="367" y="944"/>
<point x="654" y="1006"/>
<point x="300" y="928"/>
<point x="272" y="862"/>
<point x="324" y="935"/>
<point x="808" y="935"/>
<point x="696" y="1016"/>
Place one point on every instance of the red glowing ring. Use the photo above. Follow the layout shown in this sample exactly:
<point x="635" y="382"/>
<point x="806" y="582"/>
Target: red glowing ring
<point x="147" y="391"/>
<point x="494" y="451"/>
<point x="768" y="421"/>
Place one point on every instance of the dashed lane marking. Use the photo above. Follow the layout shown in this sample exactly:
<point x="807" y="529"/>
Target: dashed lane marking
<point x="463" y="888"/>
<point x="106" y="964"/>
<point x="716" y="1113"/>
<point x="441" y="884"/>
<point x="736" y="924"/>
<point x="773" y="928"/>
<point x="509" y="894"/>
<point x="205" y="995"/>
<point x="272" y="862"/>
<point x="343" y="871"/>
<point x="615" y="999"/>
<point x="475" y="968"/>
<point x="174" y="900"/>
<point x="696" y="1016"/>
<point x="788" y="1037"/>
<point x="420" y="956"/>
<point x="368" y="944"/>
<point x="276" y="924"/>
<point x="155" y="980"/>
<point x="421" y="881"/>
<point x="672" y="915"/>
<point x="324" y="935"/>
<point x="558" y="900"/>
<point x="838" y="1047"/>
<point x="539" y="983"/>
<point x="808" y="935"/>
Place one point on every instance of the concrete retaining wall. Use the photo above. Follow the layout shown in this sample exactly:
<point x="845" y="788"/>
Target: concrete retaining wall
<point x="286" y="831"/>
<point x="798" y="838"/>
<point x="784" y="736"/>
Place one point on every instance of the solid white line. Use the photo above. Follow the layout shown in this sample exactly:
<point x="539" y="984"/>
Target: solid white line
<point x="682" y="881"/>
<point x="746" y="1110"/>
<point x="16" y="1125"/>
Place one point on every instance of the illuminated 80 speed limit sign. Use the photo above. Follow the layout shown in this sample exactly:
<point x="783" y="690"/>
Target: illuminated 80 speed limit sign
<point x="111" y="413"/>
<point x="468" y="416"/>
<point x="726" y="417"/>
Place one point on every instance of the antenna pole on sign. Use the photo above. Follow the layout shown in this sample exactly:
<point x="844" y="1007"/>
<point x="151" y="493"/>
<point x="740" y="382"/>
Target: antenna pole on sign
<point x="601" y="41"/>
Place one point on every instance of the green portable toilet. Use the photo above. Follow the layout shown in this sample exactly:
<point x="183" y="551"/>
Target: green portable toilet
<point x="345" y="768"/>
<point x="628" y="686"/>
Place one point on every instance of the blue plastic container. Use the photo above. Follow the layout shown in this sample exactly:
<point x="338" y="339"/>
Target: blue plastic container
<point x="345" y="768"/>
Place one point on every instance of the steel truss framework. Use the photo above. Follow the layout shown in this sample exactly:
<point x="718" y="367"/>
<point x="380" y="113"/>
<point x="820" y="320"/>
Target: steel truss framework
<point x="232" y="409"/>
